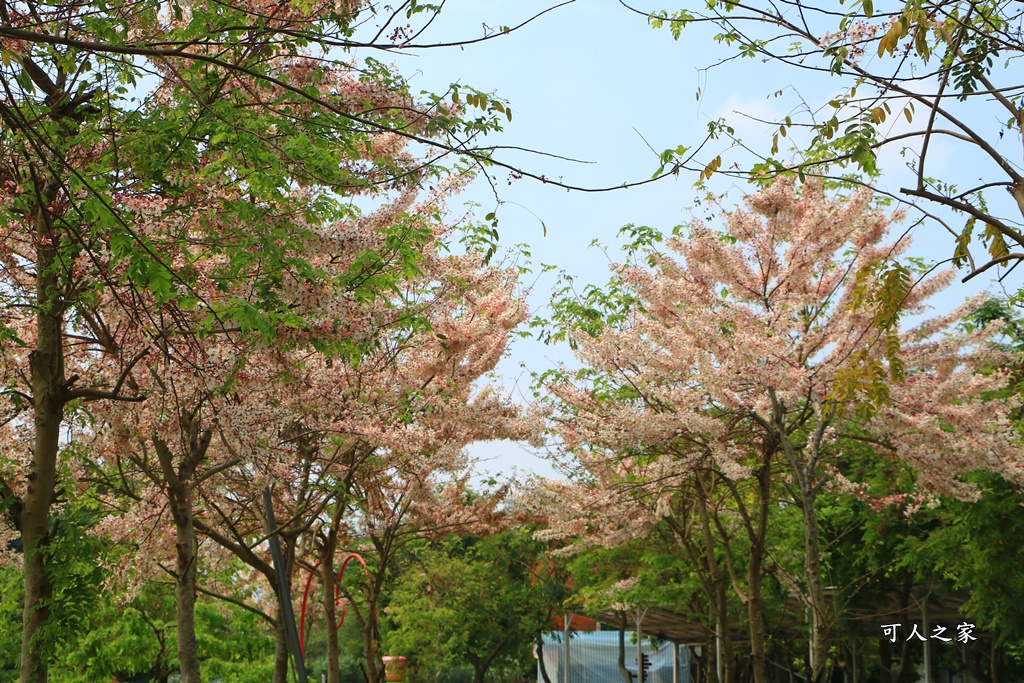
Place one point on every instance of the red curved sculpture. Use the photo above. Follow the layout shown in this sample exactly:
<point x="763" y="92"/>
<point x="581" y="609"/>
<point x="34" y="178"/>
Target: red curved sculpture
<point x="337" y="595"/>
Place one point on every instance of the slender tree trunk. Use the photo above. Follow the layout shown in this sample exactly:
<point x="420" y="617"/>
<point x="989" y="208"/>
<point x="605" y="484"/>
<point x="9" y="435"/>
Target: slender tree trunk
<point x="815" y="590"/>
<point x="698" y="667"/>
<point x="331" y="617"/>
<point x="903" y="670"/>
<point x="755" y="576"/>
<point x="540" y="660"/>
<point x="885" y="658"/>
<point x="720" y="598"/>
<point x="755" y="615"/>
<point x="995" y="661"/>
<point x="481" y="665"/>
<point x="280" y="651"/>
<point x="327" y="555"/>
<point x="49" y="388"/>
<point x="161" y="672"/>
<point x="180" y="494"/>
<point x="626" y="676"/>
<point x="804" y="471"/>
<point x="384" y="546"/>
<point x="374" y="665"/>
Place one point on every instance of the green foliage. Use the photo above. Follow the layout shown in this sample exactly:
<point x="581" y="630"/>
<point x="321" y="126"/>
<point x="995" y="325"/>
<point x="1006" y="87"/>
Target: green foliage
<point x="476" y="600"/>
<point x="237" y="646"/>
<point x="136" y="639"/>
<point x="975" y="552"/>
<point x="96" y="634"/>
<point x="11" y="602"/>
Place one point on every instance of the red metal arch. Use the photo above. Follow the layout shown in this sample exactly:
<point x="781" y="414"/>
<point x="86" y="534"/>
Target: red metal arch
<point x="337" y="595"/>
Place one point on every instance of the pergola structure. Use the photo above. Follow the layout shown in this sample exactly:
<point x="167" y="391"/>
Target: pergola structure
<point x="919" y="605"/>
<point x="668" y="624"/>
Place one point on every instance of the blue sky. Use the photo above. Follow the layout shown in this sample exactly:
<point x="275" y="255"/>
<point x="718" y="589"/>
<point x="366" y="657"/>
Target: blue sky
<point x="592" y="81"/>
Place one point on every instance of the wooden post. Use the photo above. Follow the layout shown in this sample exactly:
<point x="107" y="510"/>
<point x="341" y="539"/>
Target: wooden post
<point x="640" y="646"/>
<point x="927" y="644"/>
<point x="565" y="645"/>
<point x="810" y="639"/>
<point x="718" y="652"/>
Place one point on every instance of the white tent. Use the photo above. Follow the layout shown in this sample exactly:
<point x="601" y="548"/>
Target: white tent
<point x="593" y="658"/>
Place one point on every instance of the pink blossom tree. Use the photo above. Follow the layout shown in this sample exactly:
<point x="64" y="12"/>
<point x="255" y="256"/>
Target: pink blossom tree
<point x="359" y="414"/>
<point x="754" y="357"/>
<point x="166" y="171"/>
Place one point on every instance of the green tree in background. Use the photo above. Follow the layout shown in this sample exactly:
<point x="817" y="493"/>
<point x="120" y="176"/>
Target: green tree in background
<point x="480" y="600"/>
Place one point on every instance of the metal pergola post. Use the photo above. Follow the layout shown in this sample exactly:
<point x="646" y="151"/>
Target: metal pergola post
<point x="284" y="596"/>
<point x="565" y="645"/>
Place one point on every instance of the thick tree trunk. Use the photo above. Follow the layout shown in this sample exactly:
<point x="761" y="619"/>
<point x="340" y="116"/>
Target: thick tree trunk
<point x="38" y="591"/>
<point x="185" y="588"/>
<point x="49" y="388"/>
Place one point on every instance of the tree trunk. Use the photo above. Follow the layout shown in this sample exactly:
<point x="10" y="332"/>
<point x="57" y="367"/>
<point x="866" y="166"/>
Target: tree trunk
<point x="480" y="666"/>
<point x="331" y="617"/>
<point x="755" y="575"/>
<point x="815" y="591"/>
<point x="374" y="665"/>
<point x="280" y="651"/>
<point x="185" y="587"/>
<point x="903" y="670"/>
<point x="698" y="667"/>
<point x="804" y="471"/>
<point x="755" y="615"/>
<point x="995" y="661"/>
<point x="885" y="660"/>
<point x="626" y="676"/>
<point x="180" y="495"/>
<point x="720" y="597"/>
<point x="160" y="671"/>
<point x="38" y="591"/>
<point x="327" y="577"/>
<point x="46" y="365"/>
<point x="540" y="660"/>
